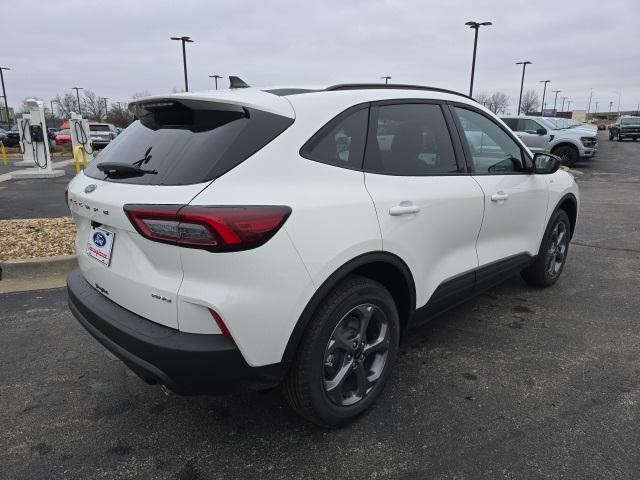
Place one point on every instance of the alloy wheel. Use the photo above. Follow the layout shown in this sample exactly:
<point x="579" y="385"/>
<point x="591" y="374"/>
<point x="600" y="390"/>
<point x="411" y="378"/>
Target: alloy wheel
<point x="557" y="252"/>
<point x="356" y="354"/>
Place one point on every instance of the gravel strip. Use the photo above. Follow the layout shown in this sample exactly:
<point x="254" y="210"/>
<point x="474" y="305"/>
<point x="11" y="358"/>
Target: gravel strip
<point x="36" y="237"/>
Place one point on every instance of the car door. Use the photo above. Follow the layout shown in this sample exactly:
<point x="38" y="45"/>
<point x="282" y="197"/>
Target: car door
<point x="515" y="198"/>
<point x="533" y="134"/>
<point x="429" y="209"/>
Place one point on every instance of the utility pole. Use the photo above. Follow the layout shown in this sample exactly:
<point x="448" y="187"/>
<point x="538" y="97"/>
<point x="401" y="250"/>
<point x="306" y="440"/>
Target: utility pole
<point x="184" y="40"/>
<point x="386" y="79"/>
<point x="77" y="89"/>
<point x="476" y="26"/>
<point x="555" y="100"/>
<point x="563" y="100"/>
<point x="4" y="94"/>
<point x="589" y="106"/>
<point x="215" y="79"/>
<point x="524" y="67"/>
<point x="544" y="92"/>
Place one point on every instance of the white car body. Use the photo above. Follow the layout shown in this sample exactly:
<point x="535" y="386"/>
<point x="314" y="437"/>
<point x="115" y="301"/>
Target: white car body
<point x="439" y="226"/>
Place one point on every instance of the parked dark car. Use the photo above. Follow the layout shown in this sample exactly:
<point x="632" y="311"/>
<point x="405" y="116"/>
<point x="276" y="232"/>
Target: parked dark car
<point x="13" y="137"/>
<point x="625" y="127"/>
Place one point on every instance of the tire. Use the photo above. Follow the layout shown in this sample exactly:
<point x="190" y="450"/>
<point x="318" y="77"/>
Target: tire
<point x="326" y="354"/>
<point x="567" y="153"/>
<point x="619" y="137"/>
<point x="552" y="256"/>
<point x="610" y="137"/>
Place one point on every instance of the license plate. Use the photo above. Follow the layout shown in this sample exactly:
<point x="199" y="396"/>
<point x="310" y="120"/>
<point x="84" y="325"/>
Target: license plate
<point x="100" y="244"/>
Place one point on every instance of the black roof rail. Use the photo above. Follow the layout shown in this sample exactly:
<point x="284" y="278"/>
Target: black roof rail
<point x="395" y="86"/>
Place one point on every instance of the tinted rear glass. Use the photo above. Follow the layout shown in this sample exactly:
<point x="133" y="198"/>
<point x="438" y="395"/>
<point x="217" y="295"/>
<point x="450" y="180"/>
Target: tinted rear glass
<point x="99" y="128"/>
<point x="187" y="146"/>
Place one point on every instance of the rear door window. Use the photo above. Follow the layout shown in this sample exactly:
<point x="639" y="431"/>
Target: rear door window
<point x="188" y="144"/>
<point x="410" y="139"/>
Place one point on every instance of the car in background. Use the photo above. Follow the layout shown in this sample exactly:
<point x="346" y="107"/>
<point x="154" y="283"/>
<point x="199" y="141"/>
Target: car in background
<point x="625" y="127"/>
<point x="531" y="132"/>
<point x="3" y="136"/>
<point x="63" y="136"/>
<point x="13" y="137"/>
<point x="570" y="143"/>
<point x="52" y="132"/>
<point x="102" y="134"/>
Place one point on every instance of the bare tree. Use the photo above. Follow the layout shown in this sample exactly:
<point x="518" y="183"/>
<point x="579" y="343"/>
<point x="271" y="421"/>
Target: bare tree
<point x="483" y="99"/>
<point x="530" y="101"/>
<point x="499" y="101"/>
<point x="120" y="115"/>
<point x="92" y="106"/>
<point x="66" y="105"/>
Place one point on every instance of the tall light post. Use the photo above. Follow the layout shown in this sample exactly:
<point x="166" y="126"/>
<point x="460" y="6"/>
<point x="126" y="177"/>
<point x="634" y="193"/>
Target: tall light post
<point x="596" y="110"/>
<point x="476" y="26"/>
<point x="555" y="101"/>
<point x="569" y="105"/>
<point x="544" y="92"/>
<point x="215" y="79"/>
<point x="106" y="110"/>
<point x="53" y="115"/>
<point x="563" y="100"/>
<point x="77" y="89"/>
<point x="610" y="106"/>
<point x="524" y="67"/>
<point x="386" y="79"/>
<point x="184" y="40"/>
<point x="4" y="94"/>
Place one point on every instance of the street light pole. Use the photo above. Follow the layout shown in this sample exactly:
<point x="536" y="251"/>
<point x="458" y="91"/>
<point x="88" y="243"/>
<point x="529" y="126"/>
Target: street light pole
<point x="563" y="99"/>
<point x="524" y="66"/>
<point x="569" y="105"/>
<point x="106" y="110"/>
<point x="215" y="79"/>
<point x="544" y="92"/>
<point x="589" y="106"/>
<point x="476" y="26"/>
<point x="596" y="110"/>
<point x="52" y="113"/>
<point x="4" y="94"/>
<point x="386" y="79"/>
<point x="77" y="89"/>
<point x="555" y="100"/>
<point x="184" y="40"/>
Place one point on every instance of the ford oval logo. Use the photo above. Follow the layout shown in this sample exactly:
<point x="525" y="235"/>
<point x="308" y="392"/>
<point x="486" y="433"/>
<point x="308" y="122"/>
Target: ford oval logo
<point x="90" y="188"/>
<point x="99" y="239"/>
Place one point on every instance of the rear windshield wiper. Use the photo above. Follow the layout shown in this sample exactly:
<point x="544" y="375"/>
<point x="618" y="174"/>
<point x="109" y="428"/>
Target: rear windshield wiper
<point x="115" y="169"/>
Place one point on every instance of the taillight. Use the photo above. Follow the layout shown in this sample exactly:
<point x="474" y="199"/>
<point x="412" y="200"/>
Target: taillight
<point x="217" y="229"/>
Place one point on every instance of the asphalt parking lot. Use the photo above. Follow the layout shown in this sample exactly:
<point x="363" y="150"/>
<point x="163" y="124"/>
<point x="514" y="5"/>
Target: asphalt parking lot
<point x="34" y="198"/>
<point x="517" y="383"/>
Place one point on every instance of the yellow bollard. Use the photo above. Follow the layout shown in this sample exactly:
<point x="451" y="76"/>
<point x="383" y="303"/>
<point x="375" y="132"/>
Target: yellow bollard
<point x="3" y="152"/>
<point x="76" y="157"/>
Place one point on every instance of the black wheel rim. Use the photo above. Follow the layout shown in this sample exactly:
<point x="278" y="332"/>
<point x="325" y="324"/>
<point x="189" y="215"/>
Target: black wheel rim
<point x="557" y="253"/>
<point x="356" y="355"/>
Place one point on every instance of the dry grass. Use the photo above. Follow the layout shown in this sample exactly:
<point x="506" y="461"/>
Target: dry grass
<point x="36" y="237"/>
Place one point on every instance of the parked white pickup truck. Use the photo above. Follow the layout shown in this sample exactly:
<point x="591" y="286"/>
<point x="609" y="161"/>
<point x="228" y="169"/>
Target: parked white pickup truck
<point x="542" y="134"/>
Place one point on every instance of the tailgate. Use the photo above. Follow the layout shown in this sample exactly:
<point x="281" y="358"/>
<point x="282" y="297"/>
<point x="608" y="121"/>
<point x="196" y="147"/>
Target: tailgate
<point x="141" y="276"/>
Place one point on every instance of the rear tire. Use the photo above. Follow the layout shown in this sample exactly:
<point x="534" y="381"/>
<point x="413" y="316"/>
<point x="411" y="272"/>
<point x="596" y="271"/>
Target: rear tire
<point x="346" y="354"/>
<point x="568" y="154"/>
<point x="552" y="256"/>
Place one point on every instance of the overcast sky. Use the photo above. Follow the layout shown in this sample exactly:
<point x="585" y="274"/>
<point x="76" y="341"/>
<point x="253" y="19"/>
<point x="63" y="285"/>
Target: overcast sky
<point x="122" y="47"/>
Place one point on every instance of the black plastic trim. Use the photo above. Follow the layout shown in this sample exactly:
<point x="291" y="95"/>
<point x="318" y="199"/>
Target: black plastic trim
<point x="186" y="363"/>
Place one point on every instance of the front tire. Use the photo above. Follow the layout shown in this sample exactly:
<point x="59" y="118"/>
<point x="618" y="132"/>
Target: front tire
<point x="568" y="154"/>
<point x="346" y="355"/>
<point x="552" y="256"/>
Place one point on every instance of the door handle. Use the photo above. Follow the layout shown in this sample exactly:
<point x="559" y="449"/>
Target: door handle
<point x="499" y="196"/>
<point x="405" y="208"/>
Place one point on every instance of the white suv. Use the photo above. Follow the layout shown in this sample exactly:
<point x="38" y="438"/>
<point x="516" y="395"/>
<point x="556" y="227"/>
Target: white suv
<point x="247" y="238"/>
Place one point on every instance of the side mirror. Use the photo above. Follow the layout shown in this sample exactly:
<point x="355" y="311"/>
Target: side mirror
<point x="545" y="163"/>
<point x="541" y="131"/>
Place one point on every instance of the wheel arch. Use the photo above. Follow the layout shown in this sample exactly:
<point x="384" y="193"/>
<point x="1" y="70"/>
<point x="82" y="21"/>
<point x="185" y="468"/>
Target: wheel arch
<point x="565" y="143"/>
<point x="384" y="267"/>
<point x="569" y="204"/>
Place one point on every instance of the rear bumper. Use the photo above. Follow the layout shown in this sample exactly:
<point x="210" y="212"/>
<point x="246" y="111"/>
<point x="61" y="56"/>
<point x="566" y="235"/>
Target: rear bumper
<point x="186" y="363"/>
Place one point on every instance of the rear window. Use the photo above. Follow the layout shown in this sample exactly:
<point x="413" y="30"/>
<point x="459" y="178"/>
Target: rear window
<point x="188" y="144"/>
<point x="99" y="128"/>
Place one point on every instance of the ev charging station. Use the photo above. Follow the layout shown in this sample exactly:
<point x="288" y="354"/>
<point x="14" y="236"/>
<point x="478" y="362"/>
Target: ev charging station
<point x="80" y="135"/>
<point x="34" y="144"/>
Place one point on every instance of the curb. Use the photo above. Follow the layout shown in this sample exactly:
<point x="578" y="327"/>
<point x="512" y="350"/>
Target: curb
<point x="31" y="268"/>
